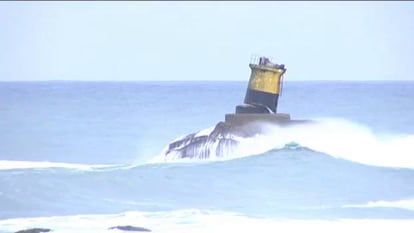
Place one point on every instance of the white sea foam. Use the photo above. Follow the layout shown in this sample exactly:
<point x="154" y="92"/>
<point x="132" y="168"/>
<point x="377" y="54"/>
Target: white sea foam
<point x="344" y="139"/>
<point x="11" y="164"/>
<point x="193" y="220"/>
<point x="402" y="204"/>
<point x="336" y="137"/>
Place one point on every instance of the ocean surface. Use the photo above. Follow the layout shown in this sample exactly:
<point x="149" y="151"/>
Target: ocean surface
<point x="86" y="156"/>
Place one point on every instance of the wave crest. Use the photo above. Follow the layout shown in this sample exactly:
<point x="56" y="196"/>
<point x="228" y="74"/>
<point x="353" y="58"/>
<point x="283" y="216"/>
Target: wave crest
<point x="336" y="137"/>
<point x="348" y="140"/>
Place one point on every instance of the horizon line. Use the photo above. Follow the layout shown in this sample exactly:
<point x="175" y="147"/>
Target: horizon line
<point x="316" y="80"/>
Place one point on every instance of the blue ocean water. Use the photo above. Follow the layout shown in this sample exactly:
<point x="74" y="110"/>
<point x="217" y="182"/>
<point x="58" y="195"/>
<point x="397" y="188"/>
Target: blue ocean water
<point x="84" y="148"/>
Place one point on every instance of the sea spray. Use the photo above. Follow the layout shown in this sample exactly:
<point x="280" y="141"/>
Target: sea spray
<point x="348" y="140"/>
<point x="333" y="136"/>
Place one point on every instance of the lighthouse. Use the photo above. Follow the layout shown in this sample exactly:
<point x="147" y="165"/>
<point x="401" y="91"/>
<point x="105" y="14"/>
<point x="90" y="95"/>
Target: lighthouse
<point x="259" y="106"/>
<point x="262" y="94"/>
<point x="264" y="87"/>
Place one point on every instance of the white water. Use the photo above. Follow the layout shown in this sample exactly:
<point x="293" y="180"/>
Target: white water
<point x="199" y="221"/>
<point x="345" y="139"/>
<point x="403" y="204"/>
<point x="333" y="136"/>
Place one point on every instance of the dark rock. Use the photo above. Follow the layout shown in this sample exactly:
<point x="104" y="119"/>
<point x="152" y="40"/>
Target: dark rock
<point x="216" y="143"/>
<point x="130" y="228"/>
<point x="34" y="230"/>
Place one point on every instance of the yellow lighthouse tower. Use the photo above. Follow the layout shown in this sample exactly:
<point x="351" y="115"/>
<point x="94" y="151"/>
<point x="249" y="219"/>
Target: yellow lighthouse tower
<point x="264" y="87"/>
<point x="262" y="95"/>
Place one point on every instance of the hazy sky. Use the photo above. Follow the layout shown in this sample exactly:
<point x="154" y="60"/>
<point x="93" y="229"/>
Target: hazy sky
<point x="205" y="40"/>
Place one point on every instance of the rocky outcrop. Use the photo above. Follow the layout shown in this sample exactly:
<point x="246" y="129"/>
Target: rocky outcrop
<point x="202" y="146"/>
<point x="34" y="230"/>
<point x="130" y="228"/>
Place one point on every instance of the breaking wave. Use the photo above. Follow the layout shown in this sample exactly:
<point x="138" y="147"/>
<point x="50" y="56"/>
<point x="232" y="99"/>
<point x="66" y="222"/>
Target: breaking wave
<point x="202" y="221"/>
<point x="347" y="140"/>
<point x="337" y="137"/>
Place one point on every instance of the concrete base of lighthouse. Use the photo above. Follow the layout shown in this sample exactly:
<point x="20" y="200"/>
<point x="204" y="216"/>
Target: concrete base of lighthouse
<point x="245" y="118"/>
